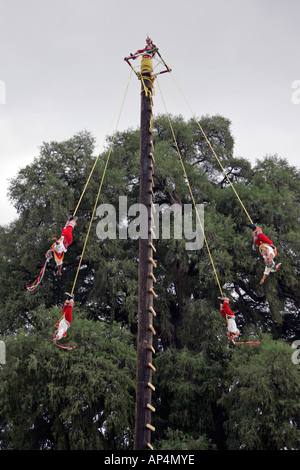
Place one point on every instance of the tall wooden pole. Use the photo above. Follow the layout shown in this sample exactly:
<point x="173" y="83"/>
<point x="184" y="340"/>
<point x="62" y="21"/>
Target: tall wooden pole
<point x="145" y="350"/>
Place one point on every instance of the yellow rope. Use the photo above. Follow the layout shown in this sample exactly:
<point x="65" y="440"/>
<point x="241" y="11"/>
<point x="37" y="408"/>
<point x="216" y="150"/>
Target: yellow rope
<point x="101" y="148"/>
<point x="145" y="89"/>
<point x="213" y="151"/>
<point x="192" y="196"/>
<point x="101" y="183"/>
<point x="99" y="190"/>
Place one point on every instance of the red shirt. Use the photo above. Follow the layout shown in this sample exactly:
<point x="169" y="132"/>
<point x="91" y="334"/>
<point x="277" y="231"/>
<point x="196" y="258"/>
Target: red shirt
<point x="259" y="237"/>
<point x="67" y="310"/>
<point x="226" y="310"/>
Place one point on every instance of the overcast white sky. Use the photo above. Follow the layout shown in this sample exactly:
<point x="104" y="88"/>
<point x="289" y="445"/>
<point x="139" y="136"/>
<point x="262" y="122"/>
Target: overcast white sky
<point x="61" y="63"/>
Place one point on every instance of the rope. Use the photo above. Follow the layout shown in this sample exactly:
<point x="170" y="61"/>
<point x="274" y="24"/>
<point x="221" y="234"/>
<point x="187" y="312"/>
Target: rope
<point x="100" y="187"/>
<point x="145" y="89"/>
<point x="192" y="196"/>
<point x="107" y="133"/>
<point x="32" y="287"/>
<point x="213" y="151"/>
<point x="99" y="190"/>
<point x="158" y="62"/>
<point x="255" y="341"/>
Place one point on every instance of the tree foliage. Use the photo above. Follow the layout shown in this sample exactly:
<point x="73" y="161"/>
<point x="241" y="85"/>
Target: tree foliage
<point x="209" y="394"/>
<point x="55" y="400"/>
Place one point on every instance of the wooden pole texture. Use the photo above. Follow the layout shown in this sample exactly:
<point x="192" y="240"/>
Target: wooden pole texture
<point x="146" y="294"/>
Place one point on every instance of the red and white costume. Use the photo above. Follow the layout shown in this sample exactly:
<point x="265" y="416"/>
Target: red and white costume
<point x="148" y="51"/>
<point x="266" y="248"/>
<point x="59" y="248"/>
<point x="65" y="322"/>
<point x="230" y="316"/>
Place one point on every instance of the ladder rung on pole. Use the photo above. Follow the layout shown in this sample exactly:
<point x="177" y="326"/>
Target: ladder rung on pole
<point x="151" y="260"/>
<point x="151" y="386"/>
<point x="151" y="366"/>
<point x="150" y="407"/>
<point x="151" y="191"/>
<point x="152" y="232"/>
<point x="152" y="246"/>
<point x="153" y="293"/>
<point x="152" y="311"/>
<point x="152" y="276"/>
<point x="152" y="329"/>
<point x="150" y="427"/>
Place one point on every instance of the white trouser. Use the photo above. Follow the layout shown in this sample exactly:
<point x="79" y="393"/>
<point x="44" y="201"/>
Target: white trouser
<point x="62" y="328"/>
<point x="232" y="328"/>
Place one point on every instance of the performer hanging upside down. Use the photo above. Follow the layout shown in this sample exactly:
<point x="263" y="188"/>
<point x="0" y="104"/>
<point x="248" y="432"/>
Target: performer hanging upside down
<point x="60" y="246"/>
<point x="65" y="322"/>
<point x="232" y="331"/>
<point x="267" y="250"/>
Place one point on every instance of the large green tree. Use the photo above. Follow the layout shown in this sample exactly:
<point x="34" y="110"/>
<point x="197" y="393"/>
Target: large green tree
<point x="264" y="383"/>
<point x="195" y="365"/>
<point x="55" y="399"/>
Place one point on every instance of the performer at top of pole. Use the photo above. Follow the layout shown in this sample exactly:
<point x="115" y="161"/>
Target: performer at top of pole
<point x="148" y="51"/>
<point x="147" y="54"/>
